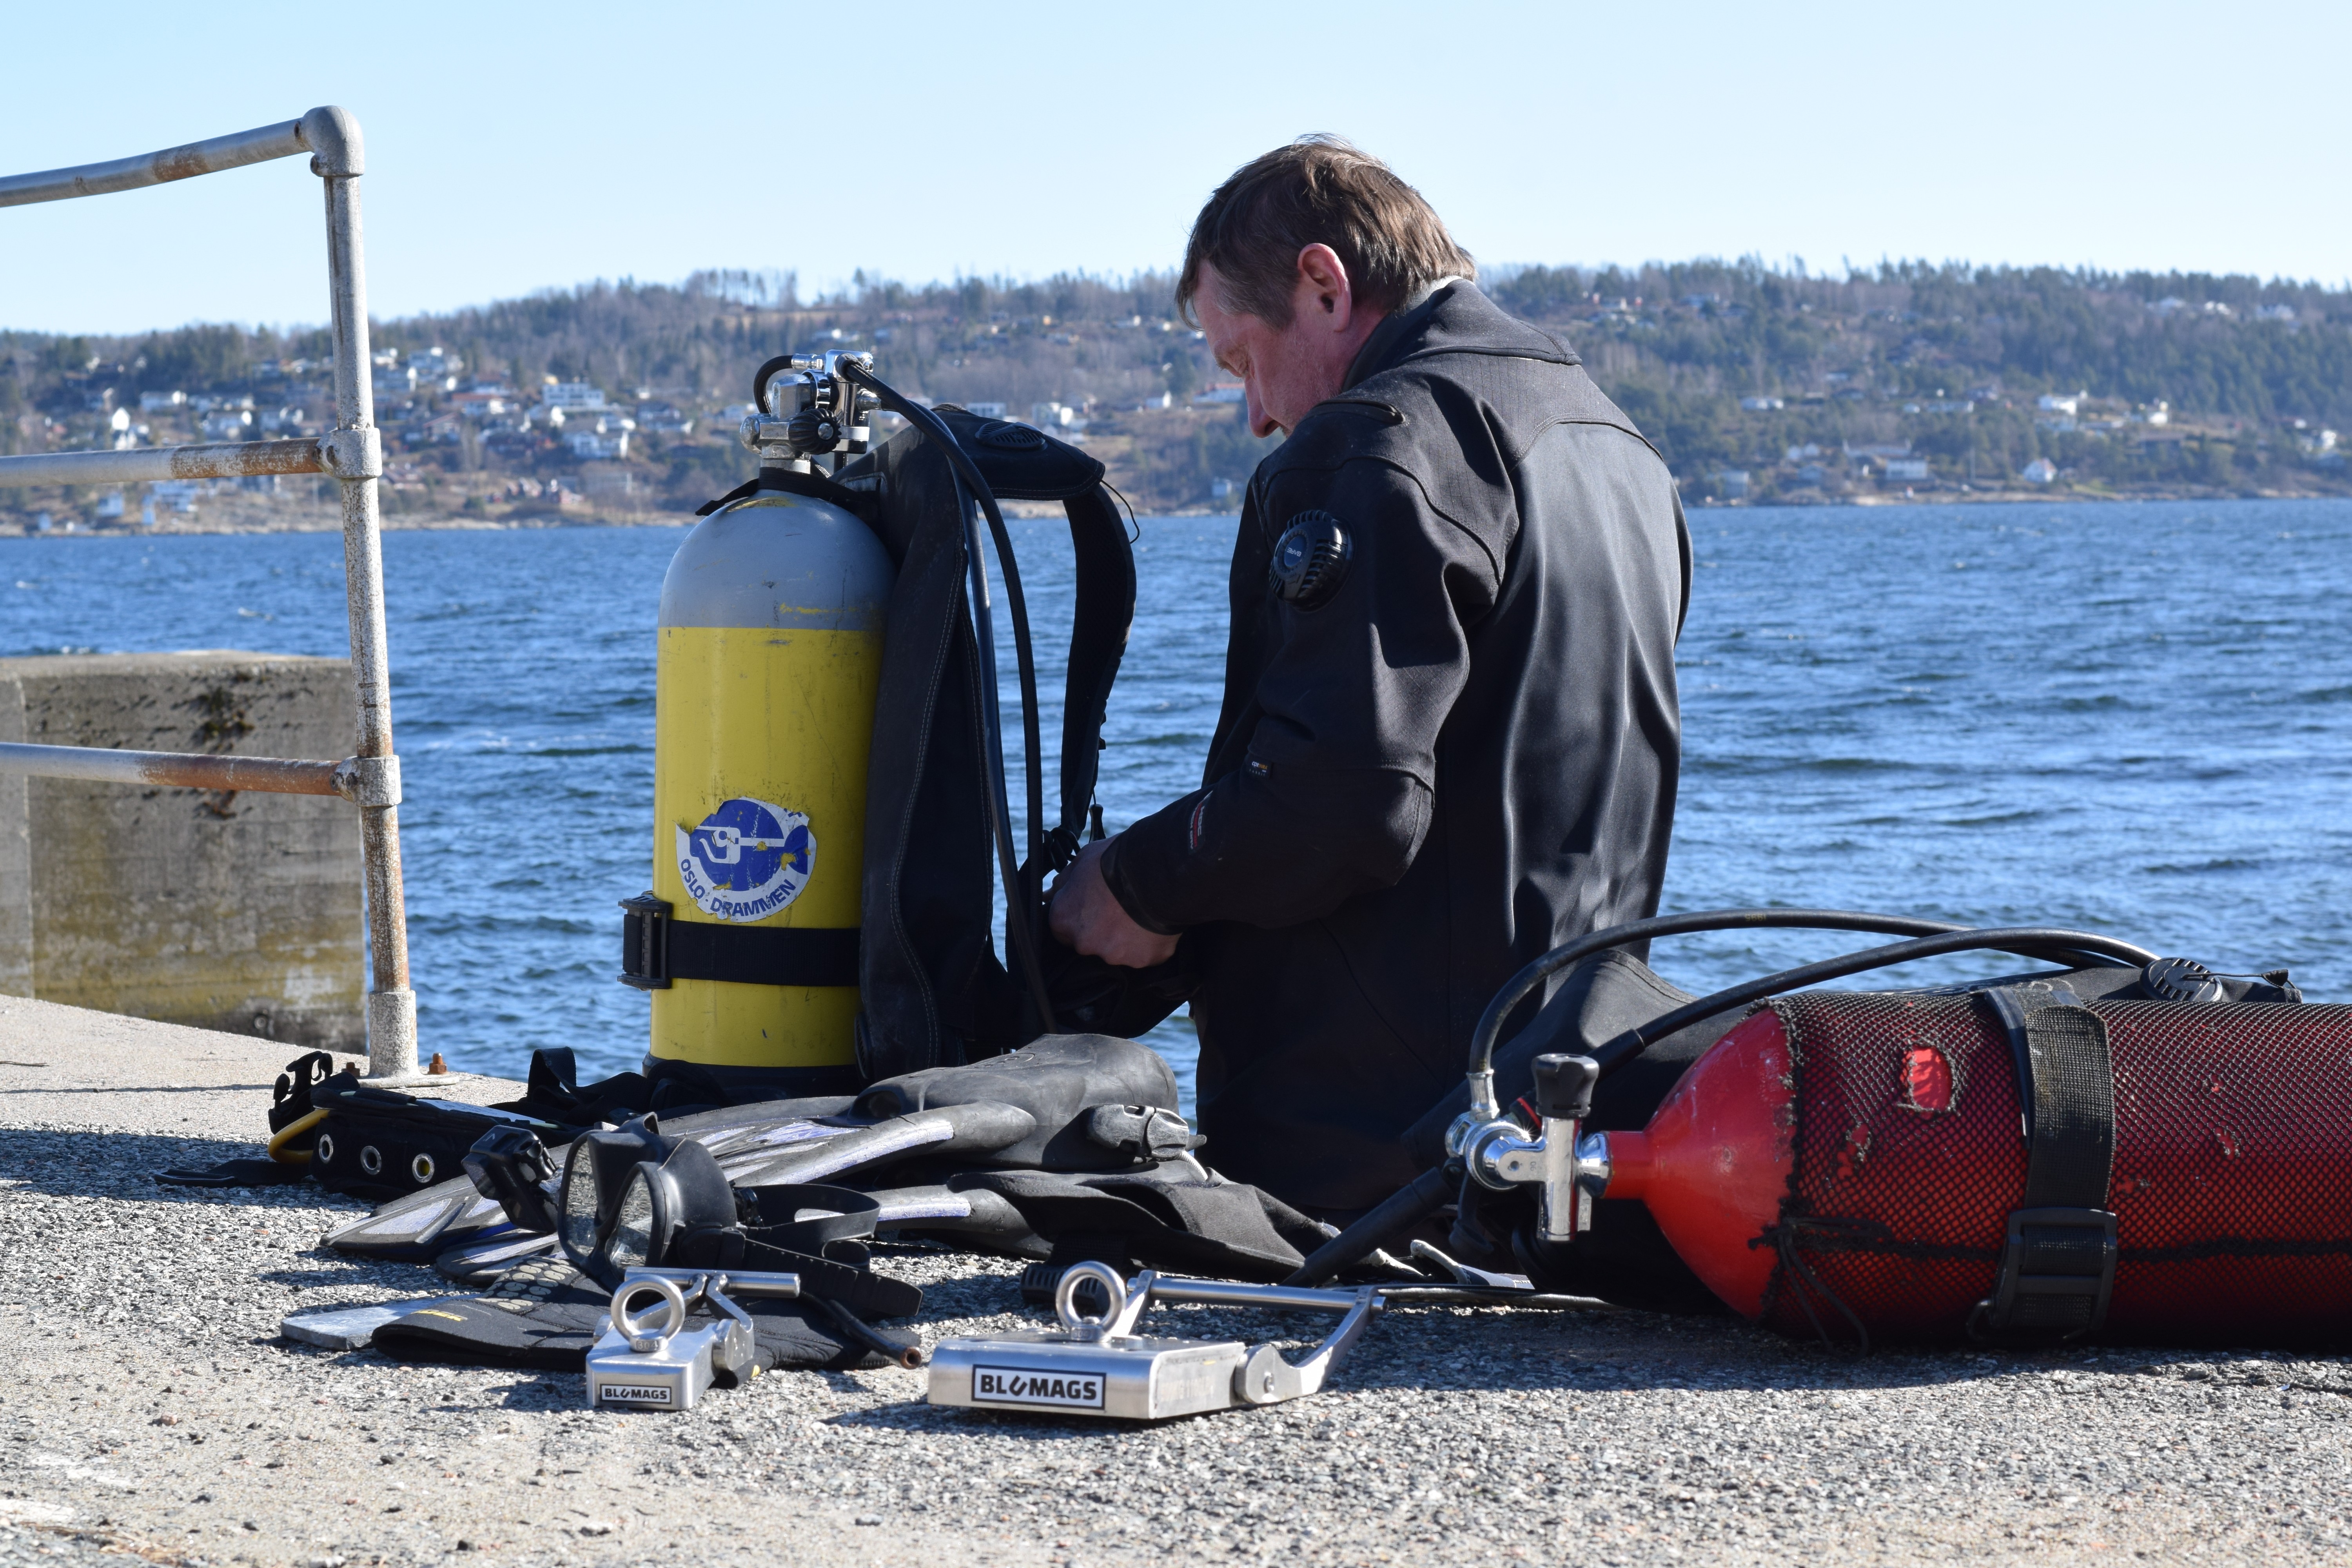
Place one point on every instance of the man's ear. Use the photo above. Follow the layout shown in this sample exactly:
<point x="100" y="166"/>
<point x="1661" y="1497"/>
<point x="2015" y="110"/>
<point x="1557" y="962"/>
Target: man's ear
<point x="1324" y="289"/>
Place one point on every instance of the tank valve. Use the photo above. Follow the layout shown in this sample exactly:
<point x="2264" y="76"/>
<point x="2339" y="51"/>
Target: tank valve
<point x="1571" y="1170"/>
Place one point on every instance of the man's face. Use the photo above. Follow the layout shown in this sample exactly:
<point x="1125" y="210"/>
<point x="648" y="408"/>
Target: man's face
<point x="1286" y="371"/>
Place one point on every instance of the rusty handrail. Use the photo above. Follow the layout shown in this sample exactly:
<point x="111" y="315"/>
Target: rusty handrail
<point x="173" y="770"/>
<point x="210" y="157"/>
<point x="210" y="460"/>
<point x="352" y="453"/>
<point x="362" y="781"/>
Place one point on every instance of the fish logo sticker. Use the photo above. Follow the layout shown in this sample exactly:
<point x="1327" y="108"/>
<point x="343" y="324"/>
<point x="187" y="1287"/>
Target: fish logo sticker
<point x="746" y="859"/>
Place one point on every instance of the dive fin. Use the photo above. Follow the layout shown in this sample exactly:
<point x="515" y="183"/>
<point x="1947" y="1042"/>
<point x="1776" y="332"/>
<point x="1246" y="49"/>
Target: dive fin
<point x="476" y="1263"/>
<point x="974" y="1218"/>
<point x="980" y="1128"/>
<point x="421" y="1226"/>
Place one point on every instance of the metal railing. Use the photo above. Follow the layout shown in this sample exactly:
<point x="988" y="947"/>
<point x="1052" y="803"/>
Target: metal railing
<point x="353" y="454"/>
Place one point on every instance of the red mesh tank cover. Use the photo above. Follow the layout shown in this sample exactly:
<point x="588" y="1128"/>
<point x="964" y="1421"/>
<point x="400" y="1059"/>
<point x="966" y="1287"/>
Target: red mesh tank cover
<point x="2232" y="1183"/>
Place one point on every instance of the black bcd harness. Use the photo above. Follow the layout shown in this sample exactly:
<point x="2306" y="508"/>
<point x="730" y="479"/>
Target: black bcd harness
<point x="934" y="993"/>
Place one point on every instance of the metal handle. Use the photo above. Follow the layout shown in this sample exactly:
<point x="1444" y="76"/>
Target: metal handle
<point x="1266" y="1378"/>
<point x="1227" y="1293"/>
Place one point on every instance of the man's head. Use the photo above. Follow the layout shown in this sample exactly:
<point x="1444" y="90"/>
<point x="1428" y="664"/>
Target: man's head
<point x="1296" y="259"/>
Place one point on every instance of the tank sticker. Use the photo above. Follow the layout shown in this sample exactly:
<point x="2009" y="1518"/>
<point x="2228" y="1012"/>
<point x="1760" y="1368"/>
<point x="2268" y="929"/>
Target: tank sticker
<point x="747" y="860"/>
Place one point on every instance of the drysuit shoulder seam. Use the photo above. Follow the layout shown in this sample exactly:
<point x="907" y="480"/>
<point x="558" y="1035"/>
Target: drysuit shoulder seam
<point x="1519" y="458"/>
<point x="1422" y="356"/>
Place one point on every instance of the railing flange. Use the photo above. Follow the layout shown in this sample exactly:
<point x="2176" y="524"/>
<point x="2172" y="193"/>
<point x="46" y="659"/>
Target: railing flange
<point x="353" y="454"/>
<point x="368" y="782"/>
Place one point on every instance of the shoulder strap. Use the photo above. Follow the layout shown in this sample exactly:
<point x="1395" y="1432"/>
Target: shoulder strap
<point x="816" y="486"/>
<point x="1098" y="632"/>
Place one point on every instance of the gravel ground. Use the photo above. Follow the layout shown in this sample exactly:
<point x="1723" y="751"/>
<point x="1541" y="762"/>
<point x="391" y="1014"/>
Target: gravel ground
<point x="156" y="1412"/>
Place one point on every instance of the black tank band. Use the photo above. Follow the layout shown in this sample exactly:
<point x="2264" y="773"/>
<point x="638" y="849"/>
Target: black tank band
<point x="2058" y="1261"/>
<point x="657" y="949"/>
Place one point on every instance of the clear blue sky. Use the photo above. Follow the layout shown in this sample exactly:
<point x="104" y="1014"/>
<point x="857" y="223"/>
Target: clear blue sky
<point x="514" y="148"/>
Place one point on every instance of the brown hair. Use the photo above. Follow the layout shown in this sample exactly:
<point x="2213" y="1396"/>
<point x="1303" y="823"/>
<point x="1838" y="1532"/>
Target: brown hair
<point x="1318" y="189"/>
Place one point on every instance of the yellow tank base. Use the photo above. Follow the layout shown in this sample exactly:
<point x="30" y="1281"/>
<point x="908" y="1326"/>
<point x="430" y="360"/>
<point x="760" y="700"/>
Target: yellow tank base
<point x="718" y="1023"/>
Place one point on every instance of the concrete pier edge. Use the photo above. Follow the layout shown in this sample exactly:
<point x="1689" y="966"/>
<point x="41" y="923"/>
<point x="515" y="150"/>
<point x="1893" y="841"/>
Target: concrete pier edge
<point x="153" y="1409"/>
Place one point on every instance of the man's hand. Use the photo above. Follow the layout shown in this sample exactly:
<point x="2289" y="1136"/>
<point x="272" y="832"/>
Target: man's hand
<point x="1087" y="916"/>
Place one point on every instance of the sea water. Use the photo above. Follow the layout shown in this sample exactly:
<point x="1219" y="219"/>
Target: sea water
<point x="2127" y="719"/>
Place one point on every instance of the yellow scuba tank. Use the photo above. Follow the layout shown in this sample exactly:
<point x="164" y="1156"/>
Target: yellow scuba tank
<point x="771" y="628"/>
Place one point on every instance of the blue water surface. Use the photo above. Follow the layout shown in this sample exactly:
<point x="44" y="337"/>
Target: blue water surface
<point x="2133" y="719"/>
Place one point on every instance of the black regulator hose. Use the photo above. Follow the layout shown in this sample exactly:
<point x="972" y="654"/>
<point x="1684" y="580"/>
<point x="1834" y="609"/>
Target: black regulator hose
<point x="1515" y="989"/>
<point x="1021" y="901"/>
<point x="1396" y="1214"/>
<point x="2032" y="942"/>
<point x="1033" y="746"/>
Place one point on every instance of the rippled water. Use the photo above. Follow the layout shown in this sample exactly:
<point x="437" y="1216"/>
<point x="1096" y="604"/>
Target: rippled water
<point x="2135" y="719"/>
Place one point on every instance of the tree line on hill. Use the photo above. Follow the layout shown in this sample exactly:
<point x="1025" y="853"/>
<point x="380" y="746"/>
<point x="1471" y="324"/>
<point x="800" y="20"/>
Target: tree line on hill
<point x="2193" y="381"/>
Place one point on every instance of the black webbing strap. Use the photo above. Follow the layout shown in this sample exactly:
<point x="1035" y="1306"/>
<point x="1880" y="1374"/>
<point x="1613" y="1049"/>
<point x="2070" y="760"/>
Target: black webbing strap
<point x="816" y="486"/>
<point x="806" y="1217"/>
<point x="2058" y="1265"/>
<point x="657" y="949"/>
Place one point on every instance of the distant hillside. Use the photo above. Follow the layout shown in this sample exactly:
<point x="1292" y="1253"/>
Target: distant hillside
<point x="2178" y="381"/>
<point x="1756" y="383"/>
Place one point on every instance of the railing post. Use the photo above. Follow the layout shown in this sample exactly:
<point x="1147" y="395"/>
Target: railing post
<point x="356" y="458"/>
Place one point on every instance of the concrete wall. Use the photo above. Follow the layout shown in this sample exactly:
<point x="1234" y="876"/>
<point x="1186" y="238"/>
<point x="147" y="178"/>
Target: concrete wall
<point x="236" y="912"/>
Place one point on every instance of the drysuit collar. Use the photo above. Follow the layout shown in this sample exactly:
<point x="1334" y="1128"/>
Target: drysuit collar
<point x="1456" y="318"/>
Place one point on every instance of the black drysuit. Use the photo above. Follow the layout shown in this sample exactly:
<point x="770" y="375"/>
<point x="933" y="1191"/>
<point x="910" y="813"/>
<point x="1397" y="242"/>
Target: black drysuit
<point x="1464" y="756"/>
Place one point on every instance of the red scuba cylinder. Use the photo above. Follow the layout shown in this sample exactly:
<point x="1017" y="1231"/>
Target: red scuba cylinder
<point x="1928" y="1166"/>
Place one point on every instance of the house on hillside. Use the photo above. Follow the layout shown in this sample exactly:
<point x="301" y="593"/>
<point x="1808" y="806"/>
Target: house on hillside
<point x="2040" y="471"/>
<point x="588" y="444"/>
<point x="570" y="395"/>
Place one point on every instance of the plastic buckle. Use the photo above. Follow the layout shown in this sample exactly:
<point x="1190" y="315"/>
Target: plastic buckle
<point x="2057" y="1274"/>
<point x="644" y="943"/>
